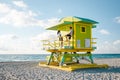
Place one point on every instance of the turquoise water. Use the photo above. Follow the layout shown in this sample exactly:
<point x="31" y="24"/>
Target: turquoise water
<point x="106" y="55"/>
<point x="38" y="57"/>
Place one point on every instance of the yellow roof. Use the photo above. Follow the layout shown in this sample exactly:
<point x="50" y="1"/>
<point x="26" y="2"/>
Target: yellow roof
<point x="69" y="21"/>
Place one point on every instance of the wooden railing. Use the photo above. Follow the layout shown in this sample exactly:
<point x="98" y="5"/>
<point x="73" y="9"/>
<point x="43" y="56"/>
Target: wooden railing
<point x="47" y="44"/>
<point x="93" y="43"/>
<point x="55" y="44"/>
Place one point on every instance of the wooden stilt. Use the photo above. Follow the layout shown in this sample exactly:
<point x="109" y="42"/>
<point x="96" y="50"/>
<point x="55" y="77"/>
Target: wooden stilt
<point x="50" y="58"/>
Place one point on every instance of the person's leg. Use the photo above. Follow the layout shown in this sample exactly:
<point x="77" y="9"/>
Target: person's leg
<point x="61" y="42"/>
<point x="68" y="37"/>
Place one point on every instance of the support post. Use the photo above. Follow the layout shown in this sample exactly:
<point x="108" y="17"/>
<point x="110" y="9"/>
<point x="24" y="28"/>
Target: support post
<point x="76" y="57"/>
<point x="90" y="57"/>
<point x="48" y="62"/>
<point x="62" y="59"/>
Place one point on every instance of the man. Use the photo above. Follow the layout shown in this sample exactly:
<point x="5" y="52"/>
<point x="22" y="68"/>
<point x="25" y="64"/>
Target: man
<point x="69" y="35"/>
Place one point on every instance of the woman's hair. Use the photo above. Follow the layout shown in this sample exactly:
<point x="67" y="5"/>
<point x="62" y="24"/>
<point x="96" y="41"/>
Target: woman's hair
<point x="58" y="31"/>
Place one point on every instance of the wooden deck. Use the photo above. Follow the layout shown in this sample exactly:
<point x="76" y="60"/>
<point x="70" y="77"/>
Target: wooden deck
<point x="71" y="50"/>
<point x="73" y="66"/>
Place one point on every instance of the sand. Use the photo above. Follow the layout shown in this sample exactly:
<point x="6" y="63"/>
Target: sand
<point x="30" y="70"/>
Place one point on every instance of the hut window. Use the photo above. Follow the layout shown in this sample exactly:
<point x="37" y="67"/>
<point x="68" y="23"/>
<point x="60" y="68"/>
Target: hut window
<point x="83" y="29"/>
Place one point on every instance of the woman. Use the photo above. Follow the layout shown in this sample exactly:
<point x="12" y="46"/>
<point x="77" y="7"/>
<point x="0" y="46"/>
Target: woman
<point x="60" y="38"/>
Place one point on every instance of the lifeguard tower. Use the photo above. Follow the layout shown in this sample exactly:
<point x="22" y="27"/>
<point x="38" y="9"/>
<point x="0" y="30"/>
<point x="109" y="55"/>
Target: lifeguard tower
<point x="79" y="47"/>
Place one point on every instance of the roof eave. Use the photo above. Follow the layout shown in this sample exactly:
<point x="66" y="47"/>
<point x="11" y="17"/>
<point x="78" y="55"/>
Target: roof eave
<point x="56" y="27"/>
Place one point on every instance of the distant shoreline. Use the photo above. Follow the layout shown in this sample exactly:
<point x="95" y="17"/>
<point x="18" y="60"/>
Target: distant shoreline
<point x="39" y="57"/>
<point x="94" y="59"/>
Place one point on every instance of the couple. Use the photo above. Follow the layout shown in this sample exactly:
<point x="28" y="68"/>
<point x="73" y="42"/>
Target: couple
<point x="68" y="36"/>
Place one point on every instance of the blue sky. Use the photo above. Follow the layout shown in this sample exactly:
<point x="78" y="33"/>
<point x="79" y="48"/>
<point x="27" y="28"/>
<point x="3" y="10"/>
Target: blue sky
<point x="23" y="22"/>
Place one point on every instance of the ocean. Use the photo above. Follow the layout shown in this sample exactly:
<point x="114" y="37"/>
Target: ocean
<point x="39" y="57"/>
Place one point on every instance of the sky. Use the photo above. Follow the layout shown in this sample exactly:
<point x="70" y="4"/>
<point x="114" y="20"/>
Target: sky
<point x="23" y="23"/>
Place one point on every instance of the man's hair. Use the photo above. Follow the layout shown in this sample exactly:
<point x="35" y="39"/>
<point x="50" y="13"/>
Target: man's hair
<point x="70" y="27"/>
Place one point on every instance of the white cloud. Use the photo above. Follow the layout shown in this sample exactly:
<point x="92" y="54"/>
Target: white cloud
<point x="22" y="18"/>
<point x="4" y="8"/>
<point x="37" y="43"/>
<point x="10" y="15"/>
<point x="7" y="41"/>
<point x="45" y="35"/>
<point x="12" y="43"/>
<point x="20" y="4"/>
<point x="117" y="42"/>
<point x="109" y="47"/>
<point x="117" y="19"/>
<point x="17" y="18"/>
<point x="105" y="32"/>
<point x="8" y="36"/>
<point x="50" y="22"/>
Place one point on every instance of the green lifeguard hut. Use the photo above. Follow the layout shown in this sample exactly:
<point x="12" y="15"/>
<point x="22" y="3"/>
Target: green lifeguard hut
<point x="76" y="49"/>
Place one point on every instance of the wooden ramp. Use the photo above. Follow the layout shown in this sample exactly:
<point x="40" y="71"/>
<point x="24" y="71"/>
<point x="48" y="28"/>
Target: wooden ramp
<point x="73" y="66"/>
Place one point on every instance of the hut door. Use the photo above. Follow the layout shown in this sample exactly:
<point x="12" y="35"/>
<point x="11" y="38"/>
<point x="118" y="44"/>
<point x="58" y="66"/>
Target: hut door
<point x="87" y="43"/>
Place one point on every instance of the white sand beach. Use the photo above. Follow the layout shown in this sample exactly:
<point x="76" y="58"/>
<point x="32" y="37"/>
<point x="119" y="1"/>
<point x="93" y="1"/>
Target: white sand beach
<point x="30" y="70"/>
